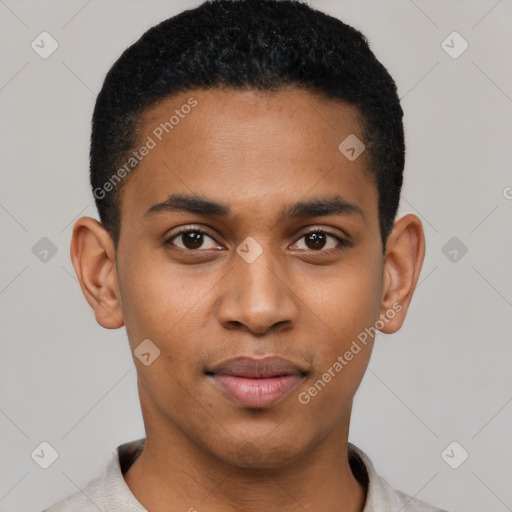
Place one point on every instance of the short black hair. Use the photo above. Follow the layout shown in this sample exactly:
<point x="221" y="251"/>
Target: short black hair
<point x="247" y="44"/>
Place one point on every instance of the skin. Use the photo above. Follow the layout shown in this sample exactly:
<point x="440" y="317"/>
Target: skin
<point x="255" y="152"/>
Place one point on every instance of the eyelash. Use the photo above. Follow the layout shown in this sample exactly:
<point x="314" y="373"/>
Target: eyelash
<point x="344" y="243"/>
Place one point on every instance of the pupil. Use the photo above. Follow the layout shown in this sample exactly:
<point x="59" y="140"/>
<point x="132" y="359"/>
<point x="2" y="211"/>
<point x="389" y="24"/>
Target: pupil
<point x="317" y="239"/>
<point x="193" y="240"/>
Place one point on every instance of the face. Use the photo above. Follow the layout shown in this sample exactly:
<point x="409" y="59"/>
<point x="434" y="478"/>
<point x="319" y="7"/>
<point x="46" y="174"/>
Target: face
<point x="247" y="235"/>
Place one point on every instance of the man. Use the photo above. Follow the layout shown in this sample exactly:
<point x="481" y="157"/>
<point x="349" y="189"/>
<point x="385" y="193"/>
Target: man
<point x="246" y="161"/>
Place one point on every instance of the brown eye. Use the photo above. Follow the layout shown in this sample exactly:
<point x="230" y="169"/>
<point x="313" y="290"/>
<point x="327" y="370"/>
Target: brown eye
<point x="315" y="240"/>
<point x="191" y="239"/>
<point x="322" y="241"/>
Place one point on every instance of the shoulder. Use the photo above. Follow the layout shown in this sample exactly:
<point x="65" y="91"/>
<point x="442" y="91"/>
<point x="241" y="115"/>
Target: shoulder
<point x="88" y="500"/>
<point x="109" y="490"/>
<point x="381" y="496"/>
<point x="395" y="500"/>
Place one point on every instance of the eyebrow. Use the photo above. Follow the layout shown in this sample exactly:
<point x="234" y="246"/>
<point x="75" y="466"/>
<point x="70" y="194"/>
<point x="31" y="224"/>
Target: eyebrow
<point x="315" y="207"/>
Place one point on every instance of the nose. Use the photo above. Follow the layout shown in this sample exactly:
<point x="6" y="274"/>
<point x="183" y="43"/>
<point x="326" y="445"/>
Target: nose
<point x="257" y="297"/>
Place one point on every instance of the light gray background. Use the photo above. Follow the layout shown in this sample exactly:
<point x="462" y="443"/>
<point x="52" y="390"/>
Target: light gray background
<point x="446" y="376"/>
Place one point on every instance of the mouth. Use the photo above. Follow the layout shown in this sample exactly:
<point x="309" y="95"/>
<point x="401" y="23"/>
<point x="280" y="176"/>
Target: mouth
<point x="257" y="383"/>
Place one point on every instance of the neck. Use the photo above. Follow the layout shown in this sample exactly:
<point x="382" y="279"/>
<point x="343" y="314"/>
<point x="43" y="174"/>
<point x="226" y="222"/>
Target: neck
<point x="179" y="472"/>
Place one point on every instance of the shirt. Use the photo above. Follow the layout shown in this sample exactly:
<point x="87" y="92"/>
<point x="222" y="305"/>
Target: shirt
<point x="110" y="493"/>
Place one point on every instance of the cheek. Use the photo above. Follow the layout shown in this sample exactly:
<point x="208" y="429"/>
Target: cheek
<point x="345" y="308"/>
<point x="168" y="309"/>
<point x="155" y="299"/>
<point x="341" y="357"/>
<point x="161" y="307"/>
<point x="346" y="302"/>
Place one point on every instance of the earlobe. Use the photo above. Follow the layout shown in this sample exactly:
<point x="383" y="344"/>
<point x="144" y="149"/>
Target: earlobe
<point x="93" y="256"/>
<point x="405" y="251"/>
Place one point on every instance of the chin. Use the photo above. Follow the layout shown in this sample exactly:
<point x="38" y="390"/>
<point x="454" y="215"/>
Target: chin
<point x="258" y="455"/>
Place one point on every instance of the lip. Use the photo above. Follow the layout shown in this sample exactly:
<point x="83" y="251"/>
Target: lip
<point x="257" y="382"/>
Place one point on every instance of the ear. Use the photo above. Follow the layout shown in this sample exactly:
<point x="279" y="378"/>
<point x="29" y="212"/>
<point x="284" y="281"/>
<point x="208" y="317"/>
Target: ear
<point x="405" y="251"/>
<point x="93" y="256"/>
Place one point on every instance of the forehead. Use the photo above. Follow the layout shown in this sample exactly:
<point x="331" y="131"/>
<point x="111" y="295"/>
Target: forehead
<point x="291" y="116"/>
<point x="252" y="146"/>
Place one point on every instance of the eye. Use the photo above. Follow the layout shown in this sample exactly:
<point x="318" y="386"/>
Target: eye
<point x="191" y="239"/>
<point x="317" y="240"/>
<point x="322" y="241"/>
